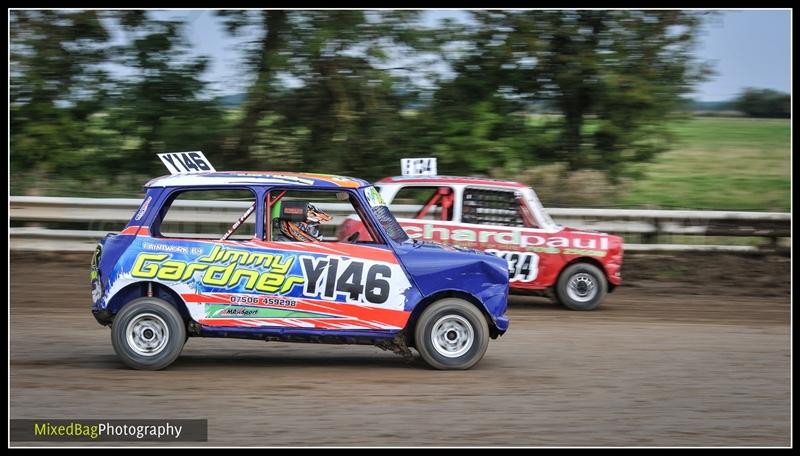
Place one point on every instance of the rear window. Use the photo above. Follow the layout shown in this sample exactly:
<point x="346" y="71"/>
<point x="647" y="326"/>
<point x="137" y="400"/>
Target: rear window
<point x="209" y="214"/>
<point x="491" y="207"/>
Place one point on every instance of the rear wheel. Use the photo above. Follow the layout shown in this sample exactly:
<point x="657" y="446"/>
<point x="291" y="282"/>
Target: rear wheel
<point x="451" y="334"/>
<point x="581" y="286"/>
<point x="148" y="333"/>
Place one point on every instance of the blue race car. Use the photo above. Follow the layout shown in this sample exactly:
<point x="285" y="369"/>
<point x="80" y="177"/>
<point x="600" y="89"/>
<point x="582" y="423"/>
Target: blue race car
<point x="175" y="272"/>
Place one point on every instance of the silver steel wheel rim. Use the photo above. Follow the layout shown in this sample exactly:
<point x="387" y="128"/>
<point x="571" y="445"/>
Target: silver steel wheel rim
<point x="147" y="334"/>
<point x="452" y="336"/>
<point x="581" y="287"/>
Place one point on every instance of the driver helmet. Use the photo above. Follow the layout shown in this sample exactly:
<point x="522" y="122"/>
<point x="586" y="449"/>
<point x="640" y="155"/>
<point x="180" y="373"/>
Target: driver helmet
<point x="298" y="220"/>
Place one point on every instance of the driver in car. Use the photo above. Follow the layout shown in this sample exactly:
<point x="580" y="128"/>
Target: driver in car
<point x="297" y="221"/>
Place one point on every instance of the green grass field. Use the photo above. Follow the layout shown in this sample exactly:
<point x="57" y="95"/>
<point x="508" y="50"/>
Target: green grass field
<point x="718" y="163"/>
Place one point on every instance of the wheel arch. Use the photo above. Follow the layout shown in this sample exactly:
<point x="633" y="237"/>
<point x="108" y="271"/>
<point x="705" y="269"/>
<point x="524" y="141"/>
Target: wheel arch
<point x="428" y="300"/>
<point x="588" y="260"/>
<point x="145" y="289"/>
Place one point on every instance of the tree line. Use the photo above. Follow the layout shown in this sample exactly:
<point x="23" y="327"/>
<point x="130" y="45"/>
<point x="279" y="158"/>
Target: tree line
<point x="590" y="89"/>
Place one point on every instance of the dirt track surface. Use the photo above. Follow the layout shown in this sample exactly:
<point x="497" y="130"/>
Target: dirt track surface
<point x="688" y="352"/>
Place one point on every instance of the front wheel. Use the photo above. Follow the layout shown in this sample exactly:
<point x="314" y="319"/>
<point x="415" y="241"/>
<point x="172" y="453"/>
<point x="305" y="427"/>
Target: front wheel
<point x="581" y="286"/>
<point x="451" y="334"/>
<point x="148" y="334"/>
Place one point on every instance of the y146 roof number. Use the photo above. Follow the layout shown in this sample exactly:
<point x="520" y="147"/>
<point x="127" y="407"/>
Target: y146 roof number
<point x="186" y="162"/>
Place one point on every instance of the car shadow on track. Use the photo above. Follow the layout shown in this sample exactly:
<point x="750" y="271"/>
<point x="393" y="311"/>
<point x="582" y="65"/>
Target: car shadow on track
<point x="295" y="361"/>
<point x="232" y="360"/>
<point x="532" y="302"/>
<point x="245" y="360"/>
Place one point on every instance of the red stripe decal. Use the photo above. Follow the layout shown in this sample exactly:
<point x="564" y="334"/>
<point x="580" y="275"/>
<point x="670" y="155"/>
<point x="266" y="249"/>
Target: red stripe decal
<point x="362" y="313"/>
<point x="324" y="248"/>
<point x="331" y="248"/>
<point x="131" y="230"/>
<point x="136" y="230"/>
<point x="308" y="323"/>
<point x="191" y="297"/>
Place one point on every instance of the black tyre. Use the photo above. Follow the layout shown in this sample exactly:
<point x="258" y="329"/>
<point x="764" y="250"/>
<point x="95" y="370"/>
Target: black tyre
<point x="148" y="334"/>
<point x="581" y="286"/>
<point x="451" y="334"/>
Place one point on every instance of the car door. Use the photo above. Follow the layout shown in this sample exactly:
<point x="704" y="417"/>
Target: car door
<point x="323" y="283"/>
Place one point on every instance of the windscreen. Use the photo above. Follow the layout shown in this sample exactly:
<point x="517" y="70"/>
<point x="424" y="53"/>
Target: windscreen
<point x="384" y="215"/>
<point x="540" y="213"/>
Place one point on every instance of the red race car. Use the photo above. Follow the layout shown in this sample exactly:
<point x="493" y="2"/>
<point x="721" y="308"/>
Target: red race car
<point x="504" y="218"/>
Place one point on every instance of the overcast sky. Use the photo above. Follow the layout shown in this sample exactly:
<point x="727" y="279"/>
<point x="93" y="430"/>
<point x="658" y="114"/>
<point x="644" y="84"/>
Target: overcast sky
<point x="747" y="49"/>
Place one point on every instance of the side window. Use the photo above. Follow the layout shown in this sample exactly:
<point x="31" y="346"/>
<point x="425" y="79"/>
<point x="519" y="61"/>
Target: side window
<point x="436" y="202"/>
<point x="310" y="216"/>
<point x="492" y="207"/>
<point x="210" y="214"/>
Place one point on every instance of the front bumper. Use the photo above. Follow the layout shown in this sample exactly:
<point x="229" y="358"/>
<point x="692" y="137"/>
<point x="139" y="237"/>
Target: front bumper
<point x="103" y="316"/>
<point x="501" y="323"/>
